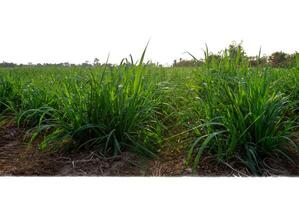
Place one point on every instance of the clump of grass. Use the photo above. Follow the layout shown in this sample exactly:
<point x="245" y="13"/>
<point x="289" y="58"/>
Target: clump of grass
<point x="109" y="109"/>
<point x="244" y="119"/>
<point x="111" y="112"/>
<point x="9" y="96"/>
<point x="6" y="90"/>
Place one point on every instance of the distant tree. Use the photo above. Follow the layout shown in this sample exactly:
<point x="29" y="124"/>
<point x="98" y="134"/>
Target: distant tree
<point x="96" y="61"/>
<point x="174" y="63"/>
<point x="292" y="60"/>
<point x="256" y="61"/>
<point x="278" y="59"/>
<point x="6" y="64"/>
<point x="186" y="63"/>
<point x="66" y="64"/>
<point x="86" y="64"/>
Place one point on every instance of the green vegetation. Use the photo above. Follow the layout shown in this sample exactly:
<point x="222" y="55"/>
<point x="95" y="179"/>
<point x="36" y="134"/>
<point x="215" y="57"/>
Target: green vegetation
<point x="277" y="59"/>
<point x="224" y="107"/>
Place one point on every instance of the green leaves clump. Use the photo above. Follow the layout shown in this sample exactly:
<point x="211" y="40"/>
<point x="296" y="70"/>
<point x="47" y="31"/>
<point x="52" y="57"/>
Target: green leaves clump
<point x="246" y="118"/>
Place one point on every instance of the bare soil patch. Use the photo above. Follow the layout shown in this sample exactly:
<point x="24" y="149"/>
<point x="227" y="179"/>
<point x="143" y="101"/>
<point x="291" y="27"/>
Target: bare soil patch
<point x="19" y="159"/>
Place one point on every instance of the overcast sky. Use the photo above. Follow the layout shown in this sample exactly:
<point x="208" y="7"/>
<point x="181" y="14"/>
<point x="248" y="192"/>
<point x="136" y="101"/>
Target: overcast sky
<point x="79" y="30"/>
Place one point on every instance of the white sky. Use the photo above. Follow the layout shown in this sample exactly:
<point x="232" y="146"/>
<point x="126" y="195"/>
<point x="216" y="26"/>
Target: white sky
<point x="79" y="30"/>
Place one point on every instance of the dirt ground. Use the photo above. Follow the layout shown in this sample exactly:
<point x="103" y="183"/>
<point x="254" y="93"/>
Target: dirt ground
<point x="18" y="159"/>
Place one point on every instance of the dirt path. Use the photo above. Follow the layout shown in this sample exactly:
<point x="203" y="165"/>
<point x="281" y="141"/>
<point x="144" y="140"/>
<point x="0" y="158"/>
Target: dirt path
<point x="17" y="159"/>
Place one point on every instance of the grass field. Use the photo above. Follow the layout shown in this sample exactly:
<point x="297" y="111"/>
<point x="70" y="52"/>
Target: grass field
<point x="232" y="112"/>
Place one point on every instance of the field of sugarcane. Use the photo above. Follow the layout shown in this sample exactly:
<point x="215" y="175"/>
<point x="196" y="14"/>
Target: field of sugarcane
<point x="225" y="109"/>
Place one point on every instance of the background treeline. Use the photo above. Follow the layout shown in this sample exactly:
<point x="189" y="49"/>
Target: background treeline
<point x="235" y="52"/>
<point x="276" y="59"/>
<point x="65" y="64"/>
<point x="95" y="63"/>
